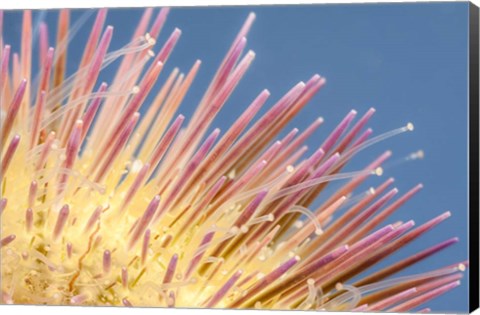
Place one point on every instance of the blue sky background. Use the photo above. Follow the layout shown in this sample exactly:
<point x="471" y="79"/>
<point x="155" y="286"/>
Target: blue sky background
<point x="409" y="61"/>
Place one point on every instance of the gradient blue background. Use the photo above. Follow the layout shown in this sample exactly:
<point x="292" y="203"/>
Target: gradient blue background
<point x="409" y="61"/>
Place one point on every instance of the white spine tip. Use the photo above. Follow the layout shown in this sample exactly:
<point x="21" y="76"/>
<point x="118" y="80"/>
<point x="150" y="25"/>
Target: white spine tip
<point x="378" y="171"/>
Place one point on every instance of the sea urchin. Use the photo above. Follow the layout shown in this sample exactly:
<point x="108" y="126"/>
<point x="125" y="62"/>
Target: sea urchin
<point x="100" y="207"/>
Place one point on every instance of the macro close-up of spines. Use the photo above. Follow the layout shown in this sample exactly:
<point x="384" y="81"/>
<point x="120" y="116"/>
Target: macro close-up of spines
<point x="110" y="196"/>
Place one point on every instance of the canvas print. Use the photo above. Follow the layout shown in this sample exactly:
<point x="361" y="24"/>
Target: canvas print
<point x="299" y="157"/>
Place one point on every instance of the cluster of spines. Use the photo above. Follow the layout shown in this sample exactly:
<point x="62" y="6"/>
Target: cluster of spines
<point x="123" y="210"/>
